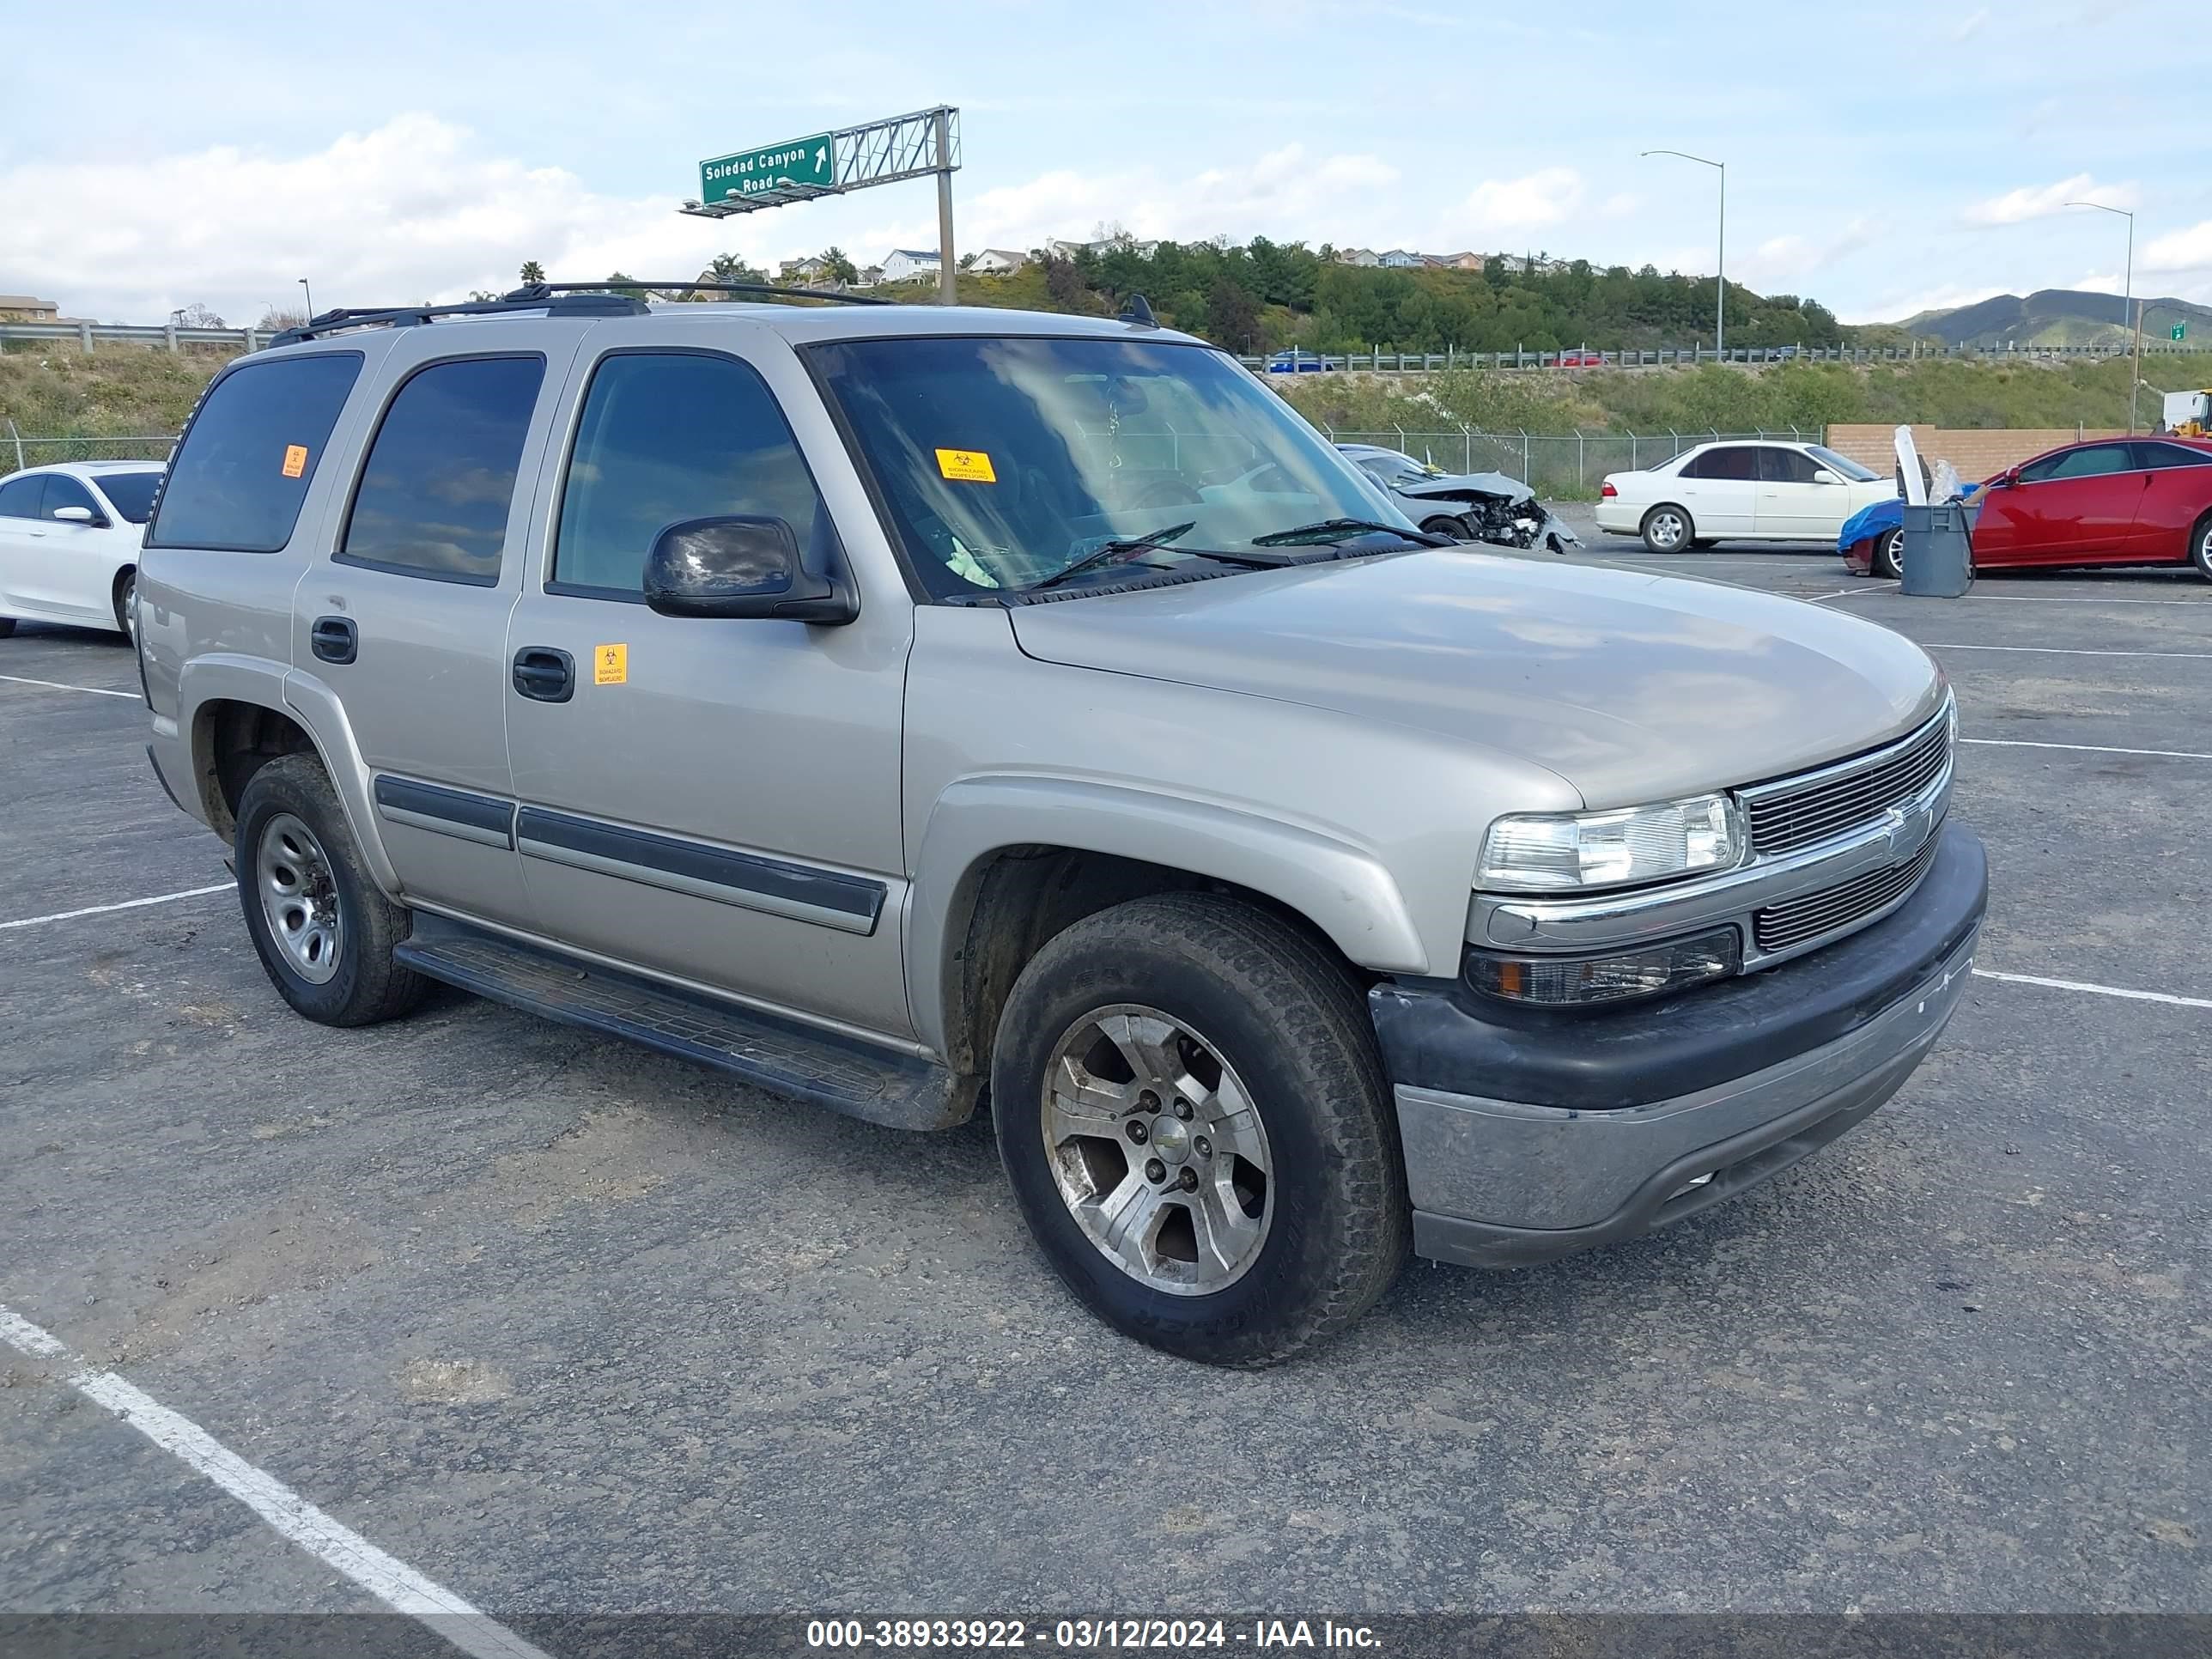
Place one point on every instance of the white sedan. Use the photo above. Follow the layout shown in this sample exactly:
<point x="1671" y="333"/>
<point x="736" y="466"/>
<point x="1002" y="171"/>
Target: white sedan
<point x="1762" y="491"/>
<point x="68" y="542"/>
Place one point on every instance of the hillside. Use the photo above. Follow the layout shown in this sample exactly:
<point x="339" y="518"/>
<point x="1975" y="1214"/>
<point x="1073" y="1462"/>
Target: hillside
<point x="2055" y="317"/>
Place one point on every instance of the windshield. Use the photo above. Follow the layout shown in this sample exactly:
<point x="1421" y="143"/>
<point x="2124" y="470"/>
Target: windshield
<point x="1842" y="465"/>
<point x="1004" y="462"/>
<point x="130" y="493"/>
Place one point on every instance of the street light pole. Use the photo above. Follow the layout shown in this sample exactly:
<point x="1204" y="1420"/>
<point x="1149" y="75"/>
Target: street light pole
<point x="310" y="293"/>
<point x="2127" y="313"/>
<point x="1720" y="279"/>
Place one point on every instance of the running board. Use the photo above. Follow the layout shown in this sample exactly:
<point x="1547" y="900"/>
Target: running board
<point x="857" y="1078"/>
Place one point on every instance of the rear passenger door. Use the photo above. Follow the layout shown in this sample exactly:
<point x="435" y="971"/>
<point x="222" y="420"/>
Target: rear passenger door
<point x="712" y="799"/>
<point x="2077" y="507"/>
<point x="1720" y="487"/>
<point x="403" y="615"/>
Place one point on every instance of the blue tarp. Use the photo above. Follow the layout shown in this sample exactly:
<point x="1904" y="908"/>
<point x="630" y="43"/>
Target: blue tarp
<point x="1879" y="519"/>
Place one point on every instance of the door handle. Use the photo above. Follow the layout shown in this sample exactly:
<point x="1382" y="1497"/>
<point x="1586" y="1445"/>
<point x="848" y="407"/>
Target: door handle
<point x="335" y="639"/>
<point x="543" y="674"/>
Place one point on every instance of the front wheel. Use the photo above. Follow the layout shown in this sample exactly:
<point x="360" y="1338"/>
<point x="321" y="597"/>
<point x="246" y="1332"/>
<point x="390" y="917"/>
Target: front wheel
<point x="323" y="932"/>
<point x="1668" y="529"/>
<point x="1450" y="527"/>
<point x="127" y="587"/>
<point x="1888" y="561"/>
<point x="1191" y="1112"/>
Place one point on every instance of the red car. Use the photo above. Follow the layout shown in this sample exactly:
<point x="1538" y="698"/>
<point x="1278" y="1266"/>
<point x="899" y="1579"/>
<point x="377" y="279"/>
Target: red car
<point x="2133" y="501"/>
<point x="1582" y="360"/>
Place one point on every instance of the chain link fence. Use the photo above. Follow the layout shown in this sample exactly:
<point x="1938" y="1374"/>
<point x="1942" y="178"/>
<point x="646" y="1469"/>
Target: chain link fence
<point x="1564" y="466"/>
<point x="17" y="451"/>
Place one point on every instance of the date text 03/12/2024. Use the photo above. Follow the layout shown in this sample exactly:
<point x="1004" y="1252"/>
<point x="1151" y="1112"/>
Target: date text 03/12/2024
<point x="1088" y="1635"/>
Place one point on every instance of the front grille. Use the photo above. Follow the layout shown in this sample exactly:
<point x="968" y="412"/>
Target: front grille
<point x="1783" y="817"/>
<point x="1779" y="926"/>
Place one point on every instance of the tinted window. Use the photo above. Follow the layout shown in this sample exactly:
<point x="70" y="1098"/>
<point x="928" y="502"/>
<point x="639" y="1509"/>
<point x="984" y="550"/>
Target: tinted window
<point x="433" y="497"/>
<point x="130" y="493"/>
<point x="1735" y="461"/>
<point x="62" y="492"/>
<point x="243" y="469"/>
<point x="1785" y="467"/>
<point x="19" y="497"/>
<point x="1842" y="465"/>
<point x="666" y="438"/>
<point x="2171" y="455"/>
<point x="2095" y="461"/>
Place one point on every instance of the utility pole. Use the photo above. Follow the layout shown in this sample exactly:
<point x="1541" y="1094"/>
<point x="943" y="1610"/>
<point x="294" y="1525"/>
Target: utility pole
<point x="310" y="293"/>
<point x="2127" y="304"/>
<point x="947" y="268"/>
<point x="1720" y="278"/>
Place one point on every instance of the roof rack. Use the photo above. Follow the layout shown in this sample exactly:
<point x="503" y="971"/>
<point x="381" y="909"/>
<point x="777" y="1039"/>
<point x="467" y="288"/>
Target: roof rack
<point x="555" y="300"/>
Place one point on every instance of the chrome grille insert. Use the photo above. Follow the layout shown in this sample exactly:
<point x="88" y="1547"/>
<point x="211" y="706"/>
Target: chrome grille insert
<point x="1794" y="812"/>
<point x="1793" y="922"/>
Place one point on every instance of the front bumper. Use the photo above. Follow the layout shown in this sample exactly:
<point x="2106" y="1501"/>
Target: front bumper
<point x="1531" y="1135"/>
<point x="1858" y="557"/>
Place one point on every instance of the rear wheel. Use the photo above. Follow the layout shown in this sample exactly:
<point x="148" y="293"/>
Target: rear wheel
<point x="1668" y="529"/>
<point x="323" y="932"/>
<point x="1192" y="1115"/>
<point x="1889" y="560"/>
<point x="1441" y="526"/>
<point x="2200" y="547"/>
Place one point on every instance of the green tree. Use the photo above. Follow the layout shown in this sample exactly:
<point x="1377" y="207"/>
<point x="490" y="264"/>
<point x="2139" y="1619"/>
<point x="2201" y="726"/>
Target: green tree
<point x="1231" y="318"/>
<point x="532" y="272"/>
<point x="837" y="268"/>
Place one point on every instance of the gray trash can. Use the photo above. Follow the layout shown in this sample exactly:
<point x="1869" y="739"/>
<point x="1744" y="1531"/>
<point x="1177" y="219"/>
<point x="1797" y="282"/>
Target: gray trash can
<point x="1937" y="559"/>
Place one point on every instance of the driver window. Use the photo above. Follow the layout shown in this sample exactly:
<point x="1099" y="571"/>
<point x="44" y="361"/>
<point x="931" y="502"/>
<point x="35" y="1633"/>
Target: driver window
<point x="666" y="436"/>
<point x="62" y="492"/>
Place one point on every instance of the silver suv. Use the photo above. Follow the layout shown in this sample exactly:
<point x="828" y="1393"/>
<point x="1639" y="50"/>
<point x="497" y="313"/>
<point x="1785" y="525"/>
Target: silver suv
<point x="905" y="708"/>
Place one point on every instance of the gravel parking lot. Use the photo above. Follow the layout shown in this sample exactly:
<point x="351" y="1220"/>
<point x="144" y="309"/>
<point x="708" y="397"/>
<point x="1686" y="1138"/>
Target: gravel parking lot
<point x="569" y="1328"/>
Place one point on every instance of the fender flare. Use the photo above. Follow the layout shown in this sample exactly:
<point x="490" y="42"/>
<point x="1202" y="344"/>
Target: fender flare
<point x="1340" y="887"/>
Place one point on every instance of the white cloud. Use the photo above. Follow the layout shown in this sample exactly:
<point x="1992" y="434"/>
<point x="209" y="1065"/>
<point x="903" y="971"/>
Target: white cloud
<point x="2181" y="250"/>
<point x="1970" y="25"/>
<point x="1788" y="258"/>
<point x="1899" y="304"/>
<point x="1543" y="197"/>
<point x="2040" y="201"/>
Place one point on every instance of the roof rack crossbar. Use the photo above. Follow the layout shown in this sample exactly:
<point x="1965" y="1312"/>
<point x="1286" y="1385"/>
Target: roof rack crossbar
<point x="525" y="295"/>
<point x="578" y="304"/>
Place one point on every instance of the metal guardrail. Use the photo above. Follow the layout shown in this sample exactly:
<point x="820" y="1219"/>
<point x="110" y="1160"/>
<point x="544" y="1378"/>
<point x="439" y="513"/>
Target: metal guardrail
<point x="86" y="336"/>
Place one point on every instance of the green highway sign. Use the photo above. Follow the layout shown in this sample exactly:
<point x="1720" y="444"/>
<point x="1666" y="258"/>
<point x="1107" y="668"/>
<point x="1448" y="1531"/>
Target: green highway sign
<point x="2180" y="330"/>
<point x="808" y="161"/>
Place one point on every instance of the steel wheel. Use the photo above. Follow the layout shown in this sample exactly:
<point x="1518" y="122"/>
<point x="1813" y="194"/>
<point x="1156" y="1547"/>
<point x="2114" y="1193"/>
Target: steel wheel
<point x="1159" y="1151"/>
<point x="1666" y="530"/>
<point x="299" y="900"/>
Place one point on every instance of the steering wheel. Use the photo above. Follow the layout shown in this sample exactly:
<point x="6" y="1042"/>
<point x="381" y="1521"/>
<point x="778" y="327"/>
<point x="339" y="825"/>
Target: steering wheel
<point x="1166" y="492"/>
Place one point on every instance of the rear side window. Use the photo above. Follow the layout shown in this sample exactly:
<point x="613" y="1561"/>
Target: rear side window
<point x="666" y="437"/>
<point x="2152" y="455"/>
<point x="242" y="472"/>
<point x="19" y="497"/>
<point x="1785" y="467"/>
<point x="1736" y="461"/>
<point x="434" y="494"/>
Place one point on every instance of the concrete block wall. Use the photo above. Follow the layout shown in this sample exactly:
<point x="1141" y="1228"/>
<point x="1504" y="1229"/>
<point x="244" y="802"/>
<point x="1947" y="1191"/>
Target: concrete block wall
<point x="1977" y="452"/>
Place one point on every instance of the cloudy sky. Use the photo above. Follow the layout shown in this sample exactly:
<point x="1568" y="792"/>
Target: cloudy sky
<point x="1884" y="158"/>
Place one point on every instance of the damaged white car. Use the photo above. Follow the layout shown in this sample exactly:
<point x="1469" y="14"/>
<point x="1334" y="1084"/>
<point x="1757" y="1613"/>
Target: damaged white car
<point x="1468" y="506"/>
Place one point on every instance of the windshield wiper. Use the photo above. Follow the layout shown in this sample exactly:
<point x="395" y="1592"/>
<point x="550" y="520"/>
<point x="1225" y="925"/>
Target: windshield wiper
<point x="1341" y="530"/>
<point x="1123" y="548"/>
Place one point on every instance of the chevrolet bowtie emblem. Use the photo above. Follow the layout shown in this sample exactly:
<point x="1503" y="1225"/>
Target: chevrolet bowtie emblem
<point x="1909" y="829"/>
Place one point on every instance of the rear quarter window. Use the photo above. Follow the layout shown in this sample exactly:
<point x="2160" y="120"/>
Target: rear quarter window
<point x="241" y="472"/>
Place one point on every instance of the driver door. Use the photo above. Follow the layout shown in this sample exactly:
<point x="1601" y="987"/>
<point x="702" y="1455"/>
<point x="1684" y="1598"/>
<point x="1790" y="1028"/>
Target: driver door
<point x="2073" y="508"/>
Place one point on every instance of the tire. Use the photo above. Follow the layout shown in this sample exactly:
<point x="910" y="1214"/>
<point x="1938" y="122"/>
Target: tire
<point x="2200" y="546"/>
<point x="1888" y="559"/>
<point x="1702" y="543"/>
<point x="1287" y="1026"/>
<point x="1668" y="529"/>
<point x="1440" y="526"/>
<point x="126" y="584"/>
<point x="7" y="626"/>
<point x="292" y="841"/>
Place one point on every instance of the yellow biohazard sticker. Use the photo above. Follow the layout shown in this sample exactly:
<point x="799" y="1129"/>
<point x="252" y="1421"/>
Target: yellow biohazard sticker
<point x="967" y="466"/>
<point x="610" y="665"/>
<point x="295" y="460"/>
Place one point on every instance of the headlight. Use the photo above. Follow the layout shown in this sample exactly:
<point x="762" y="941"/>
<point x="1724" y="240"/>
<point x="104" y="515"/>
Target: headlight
<point x="1545" y="851"/>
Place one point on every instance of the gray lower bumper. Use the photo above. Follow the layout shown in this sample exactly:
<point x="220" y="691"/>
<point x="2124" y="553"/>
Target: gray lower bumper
<point x="1498" y="1183"/>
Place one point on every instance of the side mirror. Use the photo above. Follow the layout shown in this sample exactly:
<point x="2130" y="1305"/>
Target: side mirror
<point x="77" y="515"/>
<point x="740" y="566"/>
<point x="1822" y="475"/>
<point x="2009" y="476"/>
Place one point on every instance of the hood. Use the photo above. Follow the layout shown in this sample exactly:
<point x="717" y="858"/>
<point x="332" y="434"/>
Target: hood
<point x="1455" y="485"/>
<point x="1633" y="688"/>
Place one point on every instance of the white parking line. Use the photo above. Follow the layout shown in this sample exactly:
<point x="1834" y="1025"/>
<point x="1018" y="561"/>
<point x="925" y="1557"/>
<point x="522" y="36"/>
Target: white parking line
<point x="125" y="904"/>
<point x="55" y="685"/>
<point x="2085" y="748"/>
<point x="2072" y="598"/>
<point x="2094" y="990"/>
<point x="2060" y="650"/>
<point x="392" y="1582"/>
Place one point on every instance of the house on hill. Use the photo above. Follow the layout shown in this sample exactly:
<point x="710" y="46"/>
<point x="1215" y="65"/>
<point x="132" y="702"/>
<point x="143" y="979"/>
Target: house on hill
<point x="905" y="264"/>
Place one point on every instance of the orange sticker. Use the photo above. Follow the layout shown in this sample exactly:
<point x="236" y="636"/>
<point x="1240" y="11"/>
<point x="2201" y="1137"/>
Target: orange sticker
<point x="295" y="460"/>
<point x="966" y="466"/>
